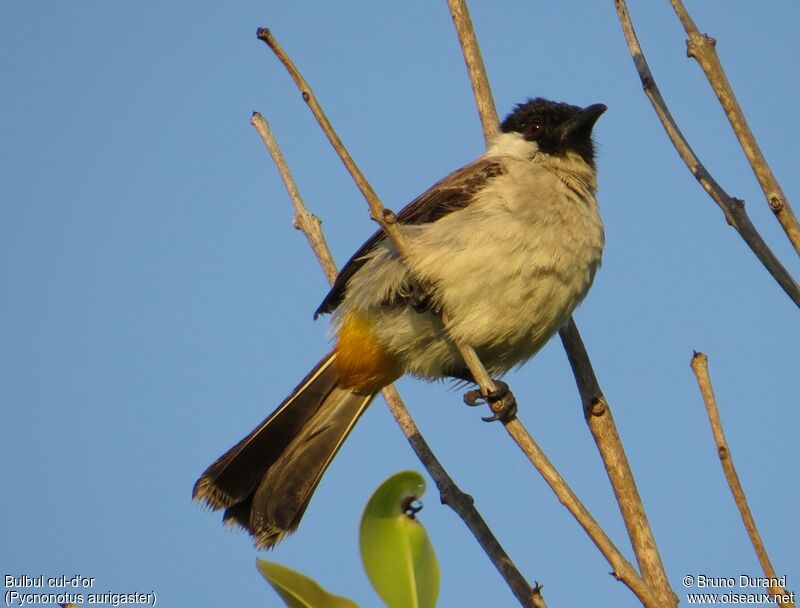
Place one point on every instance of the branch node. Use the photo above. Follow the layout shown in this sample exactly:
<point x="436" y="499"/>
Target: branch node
<point x="389" y="216"/>
<point x="776" y="203"/>
<point x="598" y="407"/>
<point x="700" y="369"/>
<point x="735" y="206"/>
<point x="264" y="34"/>
<point x="452" y="495"/>
<point x="702" y="47"/>
<point x="464" y="508"/>
<point x="306" y="96"/>
<point x="734" y="213"/>
<point x="729" y="219"/>
<point x="536" y="596"/>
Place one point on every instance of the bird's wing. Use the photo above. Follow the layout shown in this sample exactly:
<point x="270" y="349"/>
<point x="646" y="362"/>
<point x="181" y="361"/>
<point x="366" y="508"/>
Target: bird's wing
<point x="450" y="194"/>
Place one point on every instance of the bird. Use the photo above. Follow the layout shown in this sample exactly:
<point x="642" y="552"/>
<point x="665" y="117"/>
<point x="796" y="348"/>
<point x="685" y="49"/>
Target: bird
<point x="507" y="246"/>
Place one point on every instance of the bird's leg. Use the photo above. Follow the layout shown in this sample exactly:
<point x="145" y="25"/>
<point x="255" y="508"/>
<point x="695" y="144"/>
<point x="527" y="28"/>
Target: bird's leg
<point x="501" y="401"/>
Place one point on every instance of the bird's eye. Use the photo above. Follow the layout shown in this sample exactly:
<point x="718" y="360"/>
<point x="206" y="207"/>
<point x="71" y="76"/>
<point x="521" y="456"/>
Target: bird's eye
<point x="534" y="128"/>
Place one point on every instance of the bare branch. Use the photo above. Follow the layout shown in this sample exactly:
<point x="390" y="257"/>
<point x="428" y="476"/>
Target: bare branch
<point x="702" y="48"/>
<point x="385" y="218"/>
<point x="451" y="494"/>
<point x="305" y="221"/>
<point x="463" y="504"/>
<point x="624" y="485"/>
<point x="477" y="71"/>
<point x="733" y="208"/>
<point x="622" y="569"/>
<point x="474" y="364"/>
<point x="700" y="368"/>
<point x="597" y="413"/>
<point x="538" y="599"/>
<point x="602" y="426"/>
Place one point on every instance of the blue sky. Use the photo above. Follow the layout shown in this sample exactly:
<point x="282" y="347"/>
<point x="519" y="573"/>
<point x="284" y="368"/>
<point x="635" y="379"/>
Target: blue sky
<point x="156" y="303"/>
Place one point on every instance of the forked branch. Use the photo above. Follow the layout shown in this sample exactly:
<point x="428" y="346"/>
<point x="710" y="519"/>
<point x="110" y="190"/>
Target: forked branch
<point x="387" y="220"/>
<point x="450" y="493"/>
<point x="596" y="409"/>
<point x="733" y="208"/>
<point x="703" y="48"/>
<point x="384" y="217"/>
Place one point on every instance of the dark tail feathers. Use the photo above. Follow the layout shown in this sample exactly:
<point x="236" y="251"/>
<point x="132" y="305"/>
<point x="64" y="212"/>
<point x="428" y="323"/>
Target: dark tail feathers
<point x="265" y="481"/>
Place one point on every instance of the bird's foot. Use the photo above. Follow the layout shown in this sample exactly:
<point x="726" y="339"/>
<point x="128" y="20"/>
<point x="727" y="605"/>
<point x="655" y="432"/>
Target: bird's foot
<point x="501" y="401"/>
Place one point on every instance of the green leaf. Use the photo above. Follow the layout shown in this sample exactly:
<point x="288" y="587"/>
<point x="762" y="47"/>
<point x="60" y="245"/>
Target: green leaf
<point x="299" y="591"/>
<point x="395" y="548"/>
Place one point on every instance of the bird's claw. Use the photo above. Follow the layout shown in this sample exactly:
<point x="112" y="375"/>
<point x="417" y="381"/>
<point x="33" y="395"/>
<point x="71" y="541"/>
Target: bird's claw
<point x="501" y="401"/>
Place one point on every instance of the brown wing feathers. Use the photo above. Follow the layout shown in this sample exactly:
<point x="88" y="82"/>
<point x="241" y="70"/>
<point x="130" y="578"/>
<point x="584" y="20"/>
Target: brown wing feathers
<point x="450" y="194"/>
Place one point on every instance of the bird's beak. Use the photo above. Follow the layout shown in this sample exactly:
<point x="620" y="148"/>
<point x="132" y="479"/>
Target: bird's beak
<point x="583" y="122"/>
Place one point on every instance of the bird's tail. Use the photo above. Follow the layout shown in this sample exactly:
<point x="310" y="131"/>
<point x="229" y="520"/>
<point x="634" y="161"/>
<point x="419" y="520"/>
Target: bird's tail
<point x="265" y="481"/>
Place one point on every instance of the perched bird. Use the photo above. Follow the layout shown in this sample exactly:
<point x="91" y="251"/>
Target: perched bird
<point x="507" y="246"/>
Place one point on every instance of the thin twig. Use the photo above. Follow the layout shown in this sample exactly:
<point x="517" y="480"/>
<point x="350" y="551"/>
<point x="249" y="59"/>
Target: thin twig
<point x="463" y="504"/>
<point x="597" y="413"/>
<point x="384" y="217"/>
<point x="702" y="48"/>
<point x="475" y="68"/>
<point x="600" y="421"/>
<point x="387" y="221"/>
<point x="622" y="569"/>
<point x="450" y="493"/>
<point x="733" y="208"/>
<point x="538" y="598"/>
<point x="305" y="221"/>
<point x="700" y="368"/>
<point x="473" y="362"/>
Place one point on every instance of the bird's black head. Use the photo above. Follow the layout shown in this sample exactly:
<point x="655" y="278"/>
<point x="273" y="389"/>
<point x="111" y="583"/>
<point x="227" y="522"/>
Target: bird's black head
<point x="556" y="127"/>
